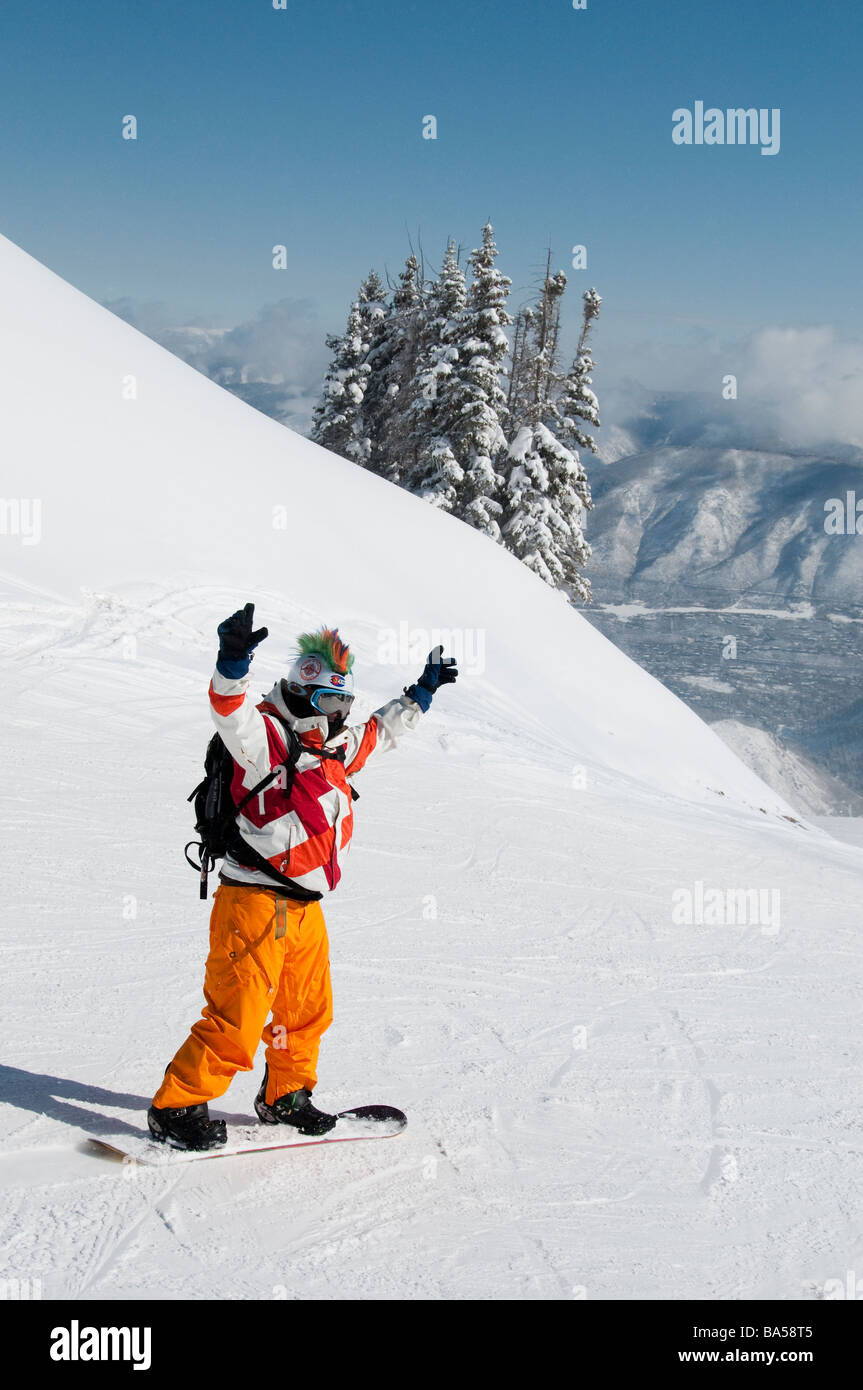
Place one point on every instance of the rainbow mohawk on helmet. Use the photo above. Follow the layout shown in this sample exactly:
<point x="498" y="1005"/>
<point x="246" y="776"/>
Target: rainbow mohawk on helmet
<point x="327" y="644"/>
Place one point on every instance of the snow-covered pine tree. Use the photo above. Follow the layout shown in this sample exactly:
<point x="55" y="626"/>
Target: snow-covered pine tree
<point x="371" y="308"/>
<point x="519" y="372"/>
<point x="546" y="486"/>
<point x="577" y="401"/>
<point x="542" y="347"/>
<point x="392" y="365"/>
<point x="372" y="301"/>
<point x="534" y="352"/>
<point x="477" y="435"/>
<point x="337" y="420"/>
<point x="543" y="511"/>
<point x="430" y="411"/>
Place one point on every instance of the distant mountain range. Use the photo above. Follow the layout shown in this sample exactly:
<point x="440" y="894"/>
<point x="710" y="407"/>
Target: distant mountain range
<point x="712" y="567"/>
<point x="680" y="520"/>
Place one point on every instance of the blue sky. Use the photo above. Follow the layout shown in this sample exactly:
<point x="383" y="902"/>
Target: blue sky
<point x="303" y="127"/>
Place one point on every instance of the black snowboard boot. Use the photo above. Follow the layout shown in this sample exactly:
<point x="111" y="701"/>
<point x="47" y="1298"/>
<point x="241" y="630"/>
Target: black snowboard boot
<point x="293" y="1109"/>
<point x="186" y="1127"/>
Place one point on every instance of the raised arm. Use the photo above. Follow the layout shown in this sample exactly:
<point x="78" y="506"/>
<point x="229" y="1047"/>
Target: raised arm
<point x="251" y="740"/>
<point x="387" y="724"/>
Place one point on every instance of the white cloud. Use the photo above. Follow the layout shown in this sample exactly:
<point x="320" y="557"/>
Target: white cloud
<point x="797" y="386"/>
<point x="811" y="379"/>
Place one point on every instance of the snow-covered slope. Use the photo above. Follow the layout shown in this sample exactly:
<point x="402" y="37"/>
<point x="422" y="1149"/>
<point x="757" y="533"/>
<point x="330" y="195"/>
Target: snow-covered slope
<point x="185" y="481"/>
<point x="598" y="1092"/>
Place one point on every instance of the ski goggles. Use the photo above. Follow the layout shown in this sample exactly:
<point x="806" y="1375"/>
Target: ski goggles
<point x="330" y="701"/>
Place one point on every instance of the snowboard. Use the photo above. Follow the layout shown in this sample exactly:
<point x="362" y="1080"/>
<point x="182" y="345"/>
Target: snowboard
<point x="362" y="1122"/>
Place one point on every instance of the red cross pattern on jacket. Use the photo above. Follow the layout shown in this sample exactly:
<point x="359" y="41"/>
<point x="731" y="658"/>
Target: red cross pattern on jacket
<point x="303" y="832"/>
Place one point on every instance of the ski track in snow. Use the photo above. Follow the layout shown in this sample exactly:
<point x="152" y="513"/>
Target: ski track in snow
<point x="601" y="1103"/>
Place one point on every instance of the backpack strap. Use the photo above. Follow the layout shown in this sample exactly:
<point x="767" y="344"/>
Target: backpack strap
<point x="236" y="843"/>
<point x="240" y="847"/>
<point x="294" y="748"/>
<point x="251" y="859"/>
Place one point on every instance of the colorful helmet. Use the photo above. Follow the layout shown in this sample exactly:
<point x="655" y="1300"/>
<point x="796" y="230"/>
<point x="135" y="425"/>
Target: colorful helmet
<point x="323" y="660"/>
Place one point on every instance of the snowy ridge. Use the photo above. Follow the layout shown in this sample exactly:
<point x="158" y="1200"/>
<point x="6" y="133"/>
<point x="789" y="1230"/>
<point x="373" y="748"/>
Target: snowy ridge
<point x="697" y="523"/>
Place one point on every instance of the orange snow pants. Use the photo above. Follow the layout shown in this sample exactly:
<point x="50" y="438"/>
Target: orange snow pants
<point x="267" y="954"/>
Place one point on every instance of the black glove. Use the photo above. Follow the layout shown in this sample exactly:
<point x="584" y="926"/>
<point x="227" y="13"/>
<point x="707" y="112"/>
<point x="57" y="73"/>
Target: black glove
<point x="237" y="641"/>
<point x="439" y="670"/>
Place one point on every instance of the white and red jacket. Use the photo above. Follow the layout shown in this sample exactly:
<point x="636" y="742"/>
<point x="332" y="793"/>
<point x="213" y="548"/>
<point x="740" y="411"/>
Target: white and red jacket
<point x="302" y="833"/>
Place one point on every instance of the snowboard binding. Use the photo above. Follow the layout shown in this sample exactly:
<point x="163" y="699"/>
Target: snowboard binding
<point x="295" y="1109"/>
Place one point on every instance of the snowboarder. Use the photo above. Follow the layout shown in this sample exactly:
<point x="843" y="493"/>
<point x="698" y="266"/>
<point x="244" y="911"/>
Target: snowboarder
<point x="269" y="952"/>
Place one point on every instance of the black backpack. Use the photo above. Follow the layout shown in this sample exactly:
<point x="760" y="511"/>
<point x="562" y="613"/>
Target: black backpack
<point x="216" y="814"/>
